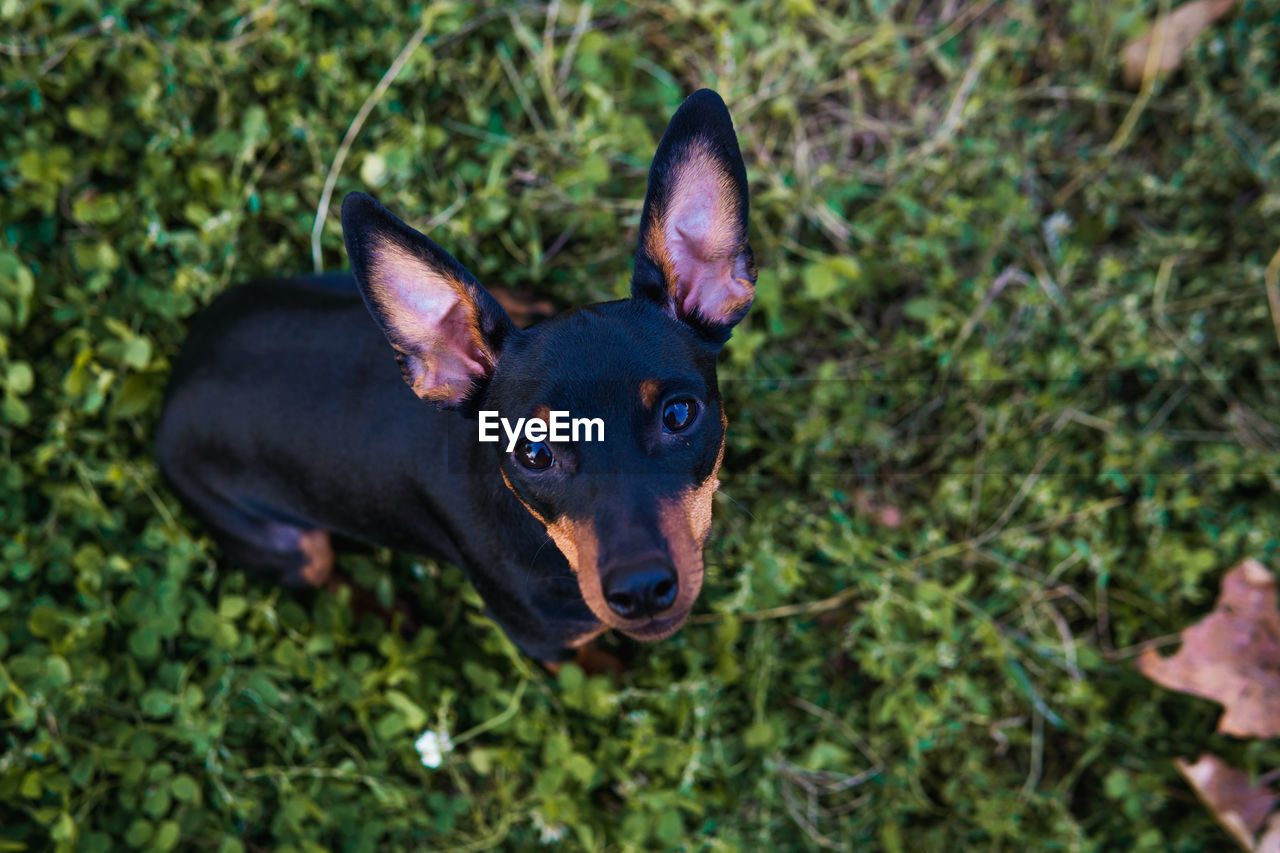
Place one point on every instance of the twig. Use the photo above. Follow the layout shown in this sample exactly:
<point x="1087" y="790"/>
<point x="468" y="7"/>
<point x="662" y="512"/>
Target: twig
<point x="1073" y="415"/>
<point x="101" y="26"/>
<point x="239" y="38"/>
<point x="1139" y="105"/>
<point x="1018" y="498"/>
<point x="1049" y="587"/>
<point x="804" y="818"/>
<point x="1149" y="72"/>
<point x="956" y="110"/>
<point x="559" y="243"/>
<point x="20" y="49"/>
<point x="1272" y="281"/>
<point x="968" y="16"/>
<point x="1166" y="410"/>
<point x="808" y="608"/>
<point x="322" y="209"/>
<point x="493" y="722"/>
<point x="854" y="738"/>
<point x="106" y="25"/>
<point x="570" y="49"/>
<point x="996" y="732"/>
<point x="1037" y="754"/>
<point x="491" y="840"/>
<point x="1068" y="642"/>
<point x="1263" y="435"/>
<point x="1008" y="275"/>
<point x="445" y="215"/>
<point x="1138" y="648"/>
<point x="517" y="86"/>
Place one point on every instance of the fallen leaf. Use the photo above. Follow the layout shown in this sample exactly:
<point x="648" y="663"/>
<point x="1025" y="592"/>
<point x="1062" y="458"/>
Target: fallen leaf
<point x="1232" y="656"/>
<point x="1172" y="35"/>
<point x="1238" y="806"/>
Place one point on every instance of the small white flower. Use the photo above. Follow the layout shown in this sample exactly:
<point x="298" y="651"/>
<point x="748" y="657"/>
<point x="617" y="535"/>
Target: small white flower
<point x="432" y="747"/>
<point x="1059" y="222"/>
<point x="1055" y="227"/>
<point x="548" y="833"/>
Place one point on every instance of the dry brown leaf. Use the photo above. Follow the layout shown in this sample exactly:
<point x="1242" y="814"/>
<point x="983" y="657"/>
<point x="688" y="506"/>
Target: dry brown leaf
<point x="1232" y="656"/>
<point x="1173" y="34"/>
<point x="1238" y="806"/>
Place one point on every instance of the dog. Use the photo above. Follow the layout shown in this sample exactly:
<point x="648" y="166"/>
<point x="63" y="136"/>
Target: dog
<point x="286" y="422"/>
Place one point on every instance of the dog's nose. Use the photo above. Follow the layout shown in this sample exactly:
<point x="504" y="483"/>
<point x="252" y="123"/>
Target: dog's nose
<point x="640" y="591"/>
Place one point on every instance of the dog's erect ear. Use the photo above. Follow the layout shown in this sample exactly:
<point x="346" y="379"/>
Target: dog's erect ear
<point x="447" y="331"/>
<point x="693" y="258"/>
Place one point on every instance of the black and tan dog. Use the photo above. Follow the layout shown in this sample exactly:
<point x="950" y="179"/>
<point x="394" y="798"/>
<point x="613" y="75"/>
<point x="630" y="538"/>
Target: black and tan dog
<point x="286" y="420"/>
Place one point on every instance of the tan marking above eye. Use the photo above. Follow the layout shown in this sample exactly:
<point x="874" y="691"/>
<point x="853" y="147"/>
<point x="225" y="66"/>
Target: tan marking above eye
<point x="649" y="389"/>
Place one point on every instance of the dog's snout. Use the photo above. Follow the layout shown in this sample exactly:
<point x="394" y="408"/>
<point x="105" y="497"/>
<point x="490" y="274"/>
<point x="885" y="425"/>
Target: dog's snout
<point x="642" y="591"/>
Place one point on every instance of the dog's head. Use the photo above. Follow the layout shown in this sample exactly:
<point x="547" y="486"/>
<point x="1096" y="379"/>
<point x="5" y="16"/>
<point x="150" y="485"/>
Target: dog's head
<point x="624" y="488"/>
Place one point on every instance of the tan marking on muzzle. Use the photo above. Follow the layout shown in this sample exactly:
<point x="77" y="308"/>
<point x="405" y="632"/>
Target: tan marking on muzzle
<point x="685" y="522"/>
<point x="576" y="539"/>
<point x="577" y="542"/>
<point x="697" y="501"/>
<point x="520" y="498"/>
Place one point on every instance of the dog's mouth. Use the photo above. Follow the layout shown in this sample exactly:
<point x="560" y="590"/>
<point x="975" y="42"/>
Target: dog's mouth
<point x="658" y="628"/>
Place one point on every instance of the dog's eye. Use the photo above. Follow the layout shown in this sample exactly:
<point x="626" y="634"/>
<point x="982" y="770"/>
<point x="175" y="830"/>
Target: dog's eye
<point x="678" y="414"/>
<point x="534" y="455"/>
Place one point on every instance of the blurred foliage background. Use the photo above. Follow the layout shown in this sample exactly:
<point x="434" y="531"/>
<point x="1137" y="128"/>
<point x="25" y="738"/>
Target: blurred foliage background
<point x="1005" y="409"/>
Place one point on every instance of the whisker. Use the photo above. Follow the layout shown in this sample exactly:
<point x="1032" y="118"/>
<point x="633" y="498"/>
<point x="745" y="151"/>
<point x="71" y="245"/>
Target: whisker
<point x="740" y="505"/>
<point x="528" y="575"/>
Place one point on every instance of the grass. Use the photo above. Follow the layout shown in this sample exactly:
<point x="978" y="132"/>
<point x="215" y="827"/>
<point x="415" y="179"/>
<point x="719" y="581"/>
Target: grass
<point x="1003" y="412"/>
